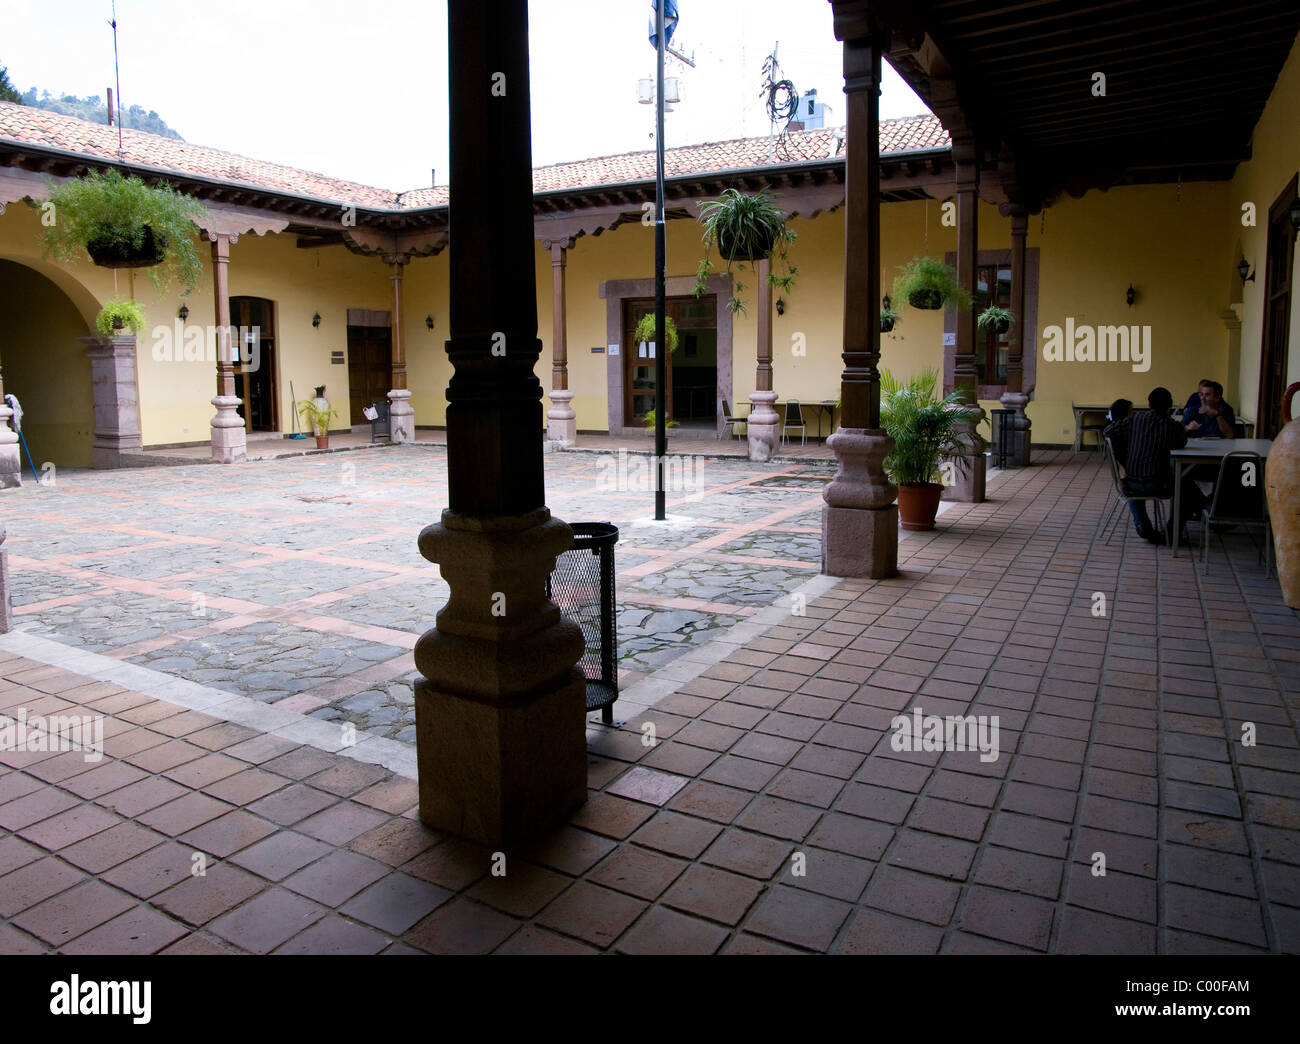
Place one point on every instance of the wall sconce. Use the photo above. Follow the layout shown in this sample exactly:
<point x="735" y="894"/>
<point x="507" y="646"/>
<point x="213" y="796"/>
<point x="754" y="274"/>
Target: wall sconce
<point x="184" y="313"/>
<point x="315" y="320"/>
<point x="1243" y="267"/>
<point x="1295" y="216"/>
<point x="884" y="302"/>
<point x="428" y="321"/>
<point x="780" y="306"/>
<point x="1130" y="295"/>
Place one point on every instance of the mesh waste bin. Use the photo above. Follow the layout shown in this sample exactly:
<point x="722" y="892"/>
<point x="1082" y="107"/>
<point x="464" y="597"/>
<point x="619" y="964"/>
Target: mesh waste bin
<point x="379" y="427"/>
<point x="582" y="585"/>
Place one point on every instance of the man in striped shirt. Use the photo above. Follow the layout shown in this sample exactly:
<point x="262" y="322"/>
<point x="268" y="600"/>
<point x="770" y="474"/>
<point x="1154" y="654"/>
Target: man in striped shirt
<point x="1142" y="442"/>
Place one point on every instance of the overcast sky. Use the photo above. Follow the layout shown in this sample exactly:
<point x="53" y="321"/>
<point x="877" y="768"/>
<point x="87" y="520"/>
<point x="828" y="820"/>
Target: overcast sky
<point x="359" y="90"/>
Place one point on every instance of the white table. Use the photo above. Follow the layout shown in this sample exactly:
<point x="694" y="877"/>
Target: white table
<point x="1198" y="450"/>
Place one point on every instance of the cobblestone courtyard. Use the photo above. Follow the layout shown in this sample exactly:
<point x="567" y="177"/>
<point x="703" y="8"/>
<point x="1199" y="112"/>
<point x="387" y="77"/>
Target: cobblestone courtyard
<point x="297" y="582"/>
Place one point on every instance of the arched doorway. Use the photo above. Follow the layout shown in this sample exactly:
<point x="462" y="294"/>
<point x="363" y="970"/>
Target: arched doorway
<point x="45" y="365"/>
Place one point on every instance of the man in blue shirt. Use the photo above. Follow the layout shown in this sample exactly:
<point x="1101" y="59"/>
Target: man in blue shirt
<point x="1210" y="416"/>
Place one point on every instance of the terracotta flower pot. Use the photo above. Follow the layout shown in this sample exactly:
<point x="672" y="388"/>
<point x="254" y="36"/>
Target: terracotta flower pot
<point x="1282" y="479"/>
<point x="322" y="442"/>
<point x="918" y="504"/>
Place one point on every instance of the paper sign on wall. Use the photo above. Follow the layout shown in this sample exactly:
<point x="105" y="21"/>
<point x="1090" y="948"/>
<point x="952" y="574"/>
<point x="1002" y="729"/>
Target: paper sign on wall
<point x="613" y="350"/>
<point x="949" y="340"/>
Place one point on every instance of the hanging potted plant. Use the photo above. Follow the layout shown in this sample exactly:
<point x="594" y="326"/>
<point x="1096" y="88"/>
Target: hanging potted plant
<point x="926" y="431"/>
<point x="319" y="417"/>
<point x="117" y="316"/>
<point x="745" y="228"/>
<point x="120" y="222"/>
<point x="645" y="331"/>
<point x="926" y="283"/>
<point x="997" y="317"/>
<point x="888" y="317"/>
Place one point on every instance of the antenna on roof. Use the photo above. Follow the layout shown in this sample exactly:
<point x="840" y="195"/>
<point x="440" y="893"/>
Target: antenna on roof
<point x="117" y="75"/>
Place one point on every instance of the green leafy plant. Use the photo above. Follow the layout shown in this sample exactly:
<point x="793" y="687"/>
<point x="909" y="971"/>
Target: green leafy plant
<point x="745" y="228"/>
<point x="926" y="430"/>
<point x="117" y="316"/>
<point x="108" y="214"/>
<point x="888" y="317"/>
<point x="995" y="316"/>
<point x="645" y="331"/>
<point x="317" y="416"/>
<point x="650" y="421"/>
<point x="926" y="283"/>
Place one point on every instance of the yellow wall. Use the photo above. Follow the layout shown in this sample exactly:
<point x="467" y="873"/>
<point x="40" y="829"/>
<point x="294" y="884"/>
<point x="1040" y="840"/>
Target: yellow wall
<point x="1275" y="157"/>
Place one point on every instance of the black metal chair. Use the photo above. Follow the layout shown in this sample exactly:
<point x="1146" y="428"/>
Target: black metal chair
<point x="1238" y="500"/>
<point x="730" y="422"/>
<point x="794" y="421"/>
<point x="1110" y="518"/>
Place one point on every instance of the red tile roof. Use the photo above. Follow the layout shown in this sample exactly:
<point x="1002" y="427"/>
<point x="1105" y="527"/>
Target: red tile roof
<point x="19" y="123"/>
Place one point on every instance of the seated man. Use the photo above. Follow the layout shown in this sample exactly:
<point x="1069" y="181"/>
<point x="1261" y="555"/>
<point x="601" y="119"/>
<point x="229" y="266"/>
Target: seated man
<point x="1210" y="416"/>
<point x="1194" y="400"/>
<point x="1146" y="437"/>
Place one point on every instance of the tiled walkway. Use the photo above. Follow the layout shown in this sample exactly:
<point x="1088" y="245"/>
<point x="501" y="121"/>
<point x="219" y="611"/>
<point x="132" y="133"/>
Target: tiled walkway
<point x="771" y="810"/>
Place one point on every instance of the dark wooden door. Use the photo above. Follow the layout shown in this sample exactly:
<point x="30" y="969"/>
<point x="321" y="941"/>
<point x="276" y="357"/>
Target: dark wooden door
<point x="370" y="368"/>
<point x="1277" y="313"/>
<point x="253" y="357"/>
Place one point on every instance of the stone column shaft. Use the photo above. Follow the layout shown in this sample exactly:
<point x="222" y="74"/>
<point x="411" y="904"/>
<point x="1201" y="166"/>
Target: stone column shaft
<point x="561" y="421"/>
<point x="117" y="410"/>
<point x="401" y="416"/>
<point x="500" y="711"/>
<point x="860" y="520"/>
<point x="229" y="436"/>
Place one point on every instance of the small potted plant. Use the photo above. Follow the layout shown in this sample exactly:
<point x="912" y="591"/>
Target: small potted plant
<point x="926" y="283"/>
<point x="318" y="417"/>
<point x="121" y="222"/>
<point x="745" y="228"/>
<point x="645" y="331"/>
<point x="997" y="317"/>
<point x="926" y="431"/>
<point x="650" y="423"/>
<point x="888" y="317"/>
<point x="117" y="316"/>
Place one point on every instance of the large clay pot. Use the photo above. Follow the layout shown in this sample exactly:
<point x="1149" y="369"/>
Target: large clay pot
<point x="918" y="504"/>
<point x="1283" y="482"/>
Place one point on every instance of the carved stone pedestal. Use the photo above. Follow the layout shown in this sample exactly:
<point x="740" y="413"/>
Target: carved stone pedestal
<point x="968" y="482"/>
<point x="117" y="410"/>
<point x="561" y="421"/>
<point x="1020" y="428"/>
<point x="229" y="439"/>
<point x="401" y="417"/>
<point x="763" y="425"/>
<point x="860" y="520"/>
<point x="501" y="756"/>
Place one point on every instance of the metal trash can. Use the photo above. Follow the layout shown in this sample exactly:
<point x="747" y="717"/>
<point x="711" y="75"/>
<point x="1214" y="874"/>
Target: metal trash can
<point x="379" y="427"/>
<point x="582" y="585"/>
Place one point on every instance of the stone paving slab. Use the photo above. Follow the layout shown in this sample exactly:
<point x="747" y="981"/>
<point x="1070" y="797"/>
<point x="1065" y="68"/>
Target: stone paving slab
<point x="774" y="812"/>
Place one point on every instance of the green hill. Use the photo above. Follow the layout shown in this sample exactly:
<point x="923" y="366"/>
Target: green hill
<point x="93" y="109"/>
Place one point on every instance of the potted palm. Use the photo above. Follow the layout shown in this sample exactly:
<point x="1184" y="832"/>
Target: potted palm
<point x="120" y="222"/>
<point x="318" y="416"/>
<point x="926" y="283"/>
<point x="746" y="228"/>
<point x="117" y="316"/>
<point x="997" y="317"/>
<point x="650" y="423"/>
<point x="926" y="430"/>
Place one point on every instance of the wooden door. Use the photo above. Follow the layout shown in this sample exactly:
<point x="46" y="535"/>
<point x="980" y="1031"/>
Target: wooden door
<point x="639" y="370"/>
<point x="1277" y="313"/>
<point x="370" y="368"/>
<point x="254" y="362"/>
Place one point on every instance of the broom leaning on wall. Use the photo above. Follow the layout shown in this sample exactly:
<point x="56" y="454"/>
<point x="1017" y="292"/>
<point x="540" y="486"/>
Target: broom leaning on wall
<point x="12" y="402"/>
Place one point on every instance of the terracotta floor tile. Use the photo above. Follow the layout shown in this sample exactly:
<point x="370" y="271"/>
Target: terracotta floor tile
<point x="201" y="772"/>
<point x="184" y="814"/>
<point x="153" y="871"/>
<point x="66" y="916"/>
<point x="279" y="855"/>
<point x="612" y="816"/>
<point x="197" y="900"/>
<point x="571" y="851"/>
<point x="677" y="834"/>
<point x="35" y="807"/>
<point x="875" y="932"/>
<point x="36" y="881"/>
<point x="139" y="931"/>
<point x="67" y="828"/>
<point x="712" y="893"/>
<point x="112" y="846"/>
<point x="291" y="804"/>
<point x="393" y="795"/>
<point x="591" y="913"/>
<point x="668" y="932"/>
<point x="395" y="902"/>
<point x="348" y="777"/>
<point x="103" y="779"/>
<point x="453" y="864"/>
<point x="649" y="785"/>
<point x="333" y="935"/>
<point x="462" y="927"/>
<point x="341" y="823"/>
<point x="779" y="818"/>
<point x="637" y="871"/>
<point x="267" y="921"/>
<point x="135" y="798"/>
<point x="164" y="756"/>
<point x="798" y="917"/>
<point x="533" y="940"/>
<point x="336" y="878"/>
<point x="225" y="835"/>
<point x="521" y="891"/>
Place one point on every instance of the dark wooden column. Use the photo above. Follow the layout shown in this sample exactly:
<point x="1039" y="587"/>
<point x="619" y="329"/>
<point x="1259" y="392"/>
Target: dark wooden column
<point x="968" y="486"/>
<point x="763" y="429"/>
<point x="860" y="520"/>
<point x="561" y="421"/>
<point x="1015" y="398"/>
<point x="500" y="708"/>
<point x="229" y="437"/>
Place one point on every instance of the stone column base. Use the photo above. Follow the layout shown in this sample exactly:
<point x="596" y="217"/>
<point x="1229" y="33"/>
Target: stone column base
<point x="11" y="461"/>
<point x="763" y="425"/>
<point x="967" y="486"/>
<point x="229" y="440"/>
<point x="117" y="413"/>
<point x="861" y="542"/>
<point x="401" y="417"/>
<point x="561" y="421"/>
<point x="501" y="773"/>
<point x="1019" y="456"/>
